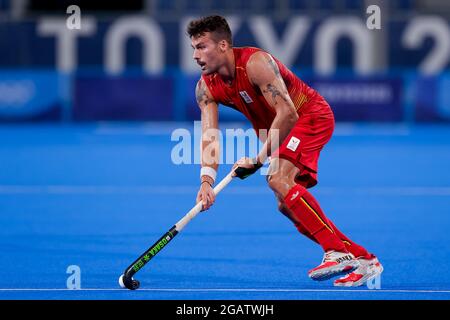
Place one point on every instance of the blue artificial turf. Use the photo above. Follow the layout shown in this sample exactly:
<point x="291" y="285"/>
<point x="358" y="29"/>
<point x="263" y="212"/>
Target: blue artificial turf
<point x="97" y="196"/>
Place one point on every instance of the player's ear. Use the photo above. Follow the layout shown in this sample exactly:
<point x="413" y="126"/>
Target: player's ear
<point x="223" y="45"/>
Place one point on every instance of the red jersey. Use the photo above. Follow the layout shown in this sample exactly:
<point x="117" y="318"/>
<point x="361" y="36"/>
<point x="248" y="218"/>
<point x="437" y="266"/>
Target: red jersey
<point x="249" y="100"/>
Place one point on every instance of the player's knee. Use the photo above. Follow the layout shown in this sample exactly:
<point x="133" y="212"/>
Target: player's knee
<point x="276" y="182"/>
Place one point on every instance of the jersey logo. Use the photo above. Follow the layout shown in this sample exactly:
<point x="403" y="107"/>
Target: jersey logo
<point x="245" y="96"/>
<point x="293" y="144"/>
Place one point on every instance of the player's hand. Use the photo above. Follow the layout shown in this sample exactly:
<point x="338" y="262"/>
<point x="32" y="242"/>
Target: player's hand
<point x="206" y="195"/>
<point x="245" y="167"/>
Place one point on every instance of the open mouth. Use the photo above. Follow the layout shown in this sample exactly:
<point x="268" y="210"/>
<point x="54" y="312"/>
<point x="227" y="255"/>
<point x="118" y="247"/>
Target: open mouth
<point x="202" y="65"/>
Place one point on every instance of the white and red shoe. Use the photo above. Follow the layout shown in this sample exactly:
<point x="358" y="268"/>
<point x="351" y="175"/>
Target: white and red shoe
<point x="368" y="269"/>
<point x="333" y="264"/>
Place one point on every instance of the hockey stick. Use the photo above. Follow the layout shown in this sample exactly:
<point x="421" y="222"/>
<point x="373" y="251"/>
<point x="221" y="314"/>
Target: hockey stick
<point x="126" y="279"/>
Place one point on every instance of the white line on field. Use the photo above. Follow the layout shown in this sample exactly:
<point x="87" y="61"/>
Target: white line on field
<point x="229" y="290"/>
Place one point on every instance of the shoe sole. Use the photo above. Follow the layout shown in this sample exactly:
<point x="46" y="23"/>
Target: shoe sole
<point x="331" y="272"/>
<point x="375" y="272"/>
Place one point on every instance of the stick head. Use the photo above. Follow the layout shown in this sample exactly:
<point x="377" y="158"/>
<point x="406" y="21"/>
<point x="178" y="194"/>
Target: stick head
<point x="129" y="283"/>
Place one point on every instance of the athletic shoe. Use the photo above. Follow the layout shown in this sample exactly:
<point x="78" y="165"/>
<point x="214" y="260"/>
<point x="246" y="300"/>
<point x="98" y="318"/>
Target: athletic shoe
<point x="368" y="269"/>
<point x="333" y="264"/>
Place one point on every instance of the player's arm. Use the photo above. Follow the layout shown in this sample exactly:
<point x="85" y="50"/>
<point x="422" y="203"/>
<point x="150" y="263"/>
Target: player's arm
<point x="263" y="72"/>
<point x="209" y="143"/>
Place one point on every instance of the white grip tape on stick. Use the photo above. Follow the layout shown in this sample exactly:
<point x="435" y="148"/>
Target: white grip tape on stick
<point x="198" y="207"/>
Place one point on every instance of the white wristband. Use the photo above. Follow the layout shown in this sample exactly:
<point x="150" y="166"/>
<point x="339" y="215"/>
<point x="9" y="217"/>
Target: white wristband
<point x="208" y="171"/>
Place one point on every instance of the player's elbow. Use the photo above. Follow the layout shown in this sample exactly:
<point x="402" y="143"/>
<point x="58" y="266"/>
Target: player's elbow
<point x="289" y="115"/>
<point x="293" y="115"/>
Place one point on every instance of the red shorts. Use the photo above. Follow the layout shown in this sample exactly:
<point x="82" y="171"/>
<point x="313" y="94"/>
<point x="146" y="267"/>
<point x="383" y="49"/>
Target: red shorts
<point x="303" y="144"/>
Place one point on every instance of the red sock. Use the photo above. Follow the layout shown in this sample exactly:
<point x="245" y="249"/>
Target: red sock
<point x="352" y="247"/>
<point x="307" y="211"/>
<point x="301" y="228"/>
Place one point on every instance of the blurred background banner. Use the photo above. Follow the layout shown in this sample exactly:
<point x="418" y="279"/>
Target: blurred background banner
<point x="363" y="98"/>
<point x="30" y="95"/>
<point x="123" y="98"/>
<point x="133" y="60"/>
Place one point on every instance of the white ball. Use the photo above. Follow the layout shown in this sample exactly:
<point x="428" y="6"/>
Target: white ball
<point x="121" y="284"/>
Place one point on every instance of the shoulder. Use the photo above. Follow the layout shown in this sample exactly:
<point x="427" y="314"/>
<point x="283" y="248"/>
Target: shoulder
<point x="202" y="92"/>
<point x="257" y="58"/>
<point x="200" y="83"/>
<point x="203" y="83"/>
<point x="244" y="55"/>
<point x="245" y="52"/>
<point x="201" y="86"/>
<point x="261" y="65"/>
<point x="209" y="80"/>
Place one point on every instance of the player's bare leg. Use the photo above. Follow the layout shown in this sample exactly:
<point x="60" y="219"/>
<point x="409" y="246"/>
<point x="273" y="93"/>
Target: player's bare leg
<point x="303" y="210"/>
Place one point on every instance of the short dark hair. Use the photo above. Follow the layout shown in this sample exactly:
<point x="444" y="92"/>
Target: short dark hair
<point x="217" y="25"/>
